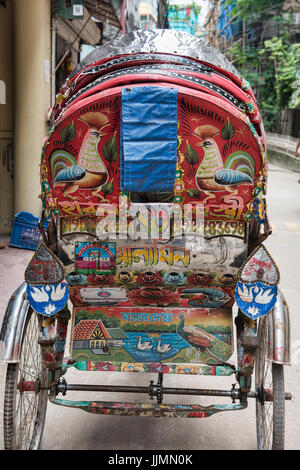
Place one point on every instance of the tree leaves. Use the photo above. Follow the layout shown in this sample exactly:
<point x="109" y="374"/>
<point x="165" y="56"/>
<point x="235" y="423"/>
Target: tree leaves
<point x="68" y="133"/>
<point x="191" y="155"/>
<point x="269" y="64"/>
<point x="252" y="10"/>
<point x="110" y="150"/>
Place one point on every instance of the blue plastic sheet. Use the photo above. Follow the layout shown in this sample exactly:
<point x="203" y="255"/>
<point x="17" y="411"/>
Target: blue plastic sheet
<point x="149" y="118"/>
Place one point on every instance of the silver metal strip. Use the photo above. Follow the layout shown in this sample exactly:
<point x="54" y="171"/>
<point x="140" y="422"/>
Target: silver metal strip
<point x="13" y="325"/>
<point x="278" y="339"/>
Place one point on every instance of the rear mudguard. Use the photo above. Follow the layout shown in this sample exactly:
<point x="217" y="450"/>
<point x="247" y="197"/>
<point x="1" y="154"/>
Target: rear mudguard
<point x="13" y="326"/>
<point x="278" y="332"/>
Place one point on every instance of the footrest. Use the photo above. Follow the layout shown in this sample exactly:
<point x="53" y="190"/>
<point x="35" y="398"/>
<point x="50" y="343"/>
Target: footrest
<point x="148" y="409"/>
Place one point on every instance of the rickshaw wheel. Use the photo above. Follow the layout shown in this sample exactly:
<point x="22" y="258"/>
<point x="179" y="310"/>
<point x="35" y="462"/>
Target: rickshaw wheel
<point x="25" y="410"/>
<point x="270" y="404"/>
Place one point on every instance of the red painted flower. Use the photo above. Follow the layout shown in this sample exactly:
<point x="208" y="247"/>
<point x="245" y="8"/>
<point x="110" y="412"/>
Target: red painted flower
<point x="157" y="367"/>
<point x="149" y="278"/>
<point x="199" y="279"/>
<point x="101" y="279"/>
<point x="106" y="366"/>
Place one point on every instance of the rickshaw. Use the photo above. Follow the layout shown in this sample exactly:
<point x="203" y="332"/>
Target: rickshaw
<point x="153" y="183"/>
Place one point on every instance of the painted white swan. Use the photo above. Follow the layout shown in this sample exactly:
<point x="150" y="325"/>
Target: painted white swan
<point x="163" y="348"/>
<point x="145" y="346"/>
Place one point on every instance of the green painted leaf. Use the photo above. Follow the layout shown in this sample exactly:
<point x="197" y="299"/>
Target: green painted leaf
<point x="228" y="131"/>
<point x="191" y="155"/>
<point x="108" y="187"/>
<point x="193" y="193"/>
<point x="68" y="133"/>
<point x="110" y="150"/>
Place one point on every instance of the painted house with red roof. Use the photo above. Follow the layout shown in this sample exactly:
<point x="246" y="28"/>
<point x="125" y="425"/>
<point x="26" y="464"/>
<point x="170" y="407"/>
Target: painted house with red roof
<point x="93" y="335"/>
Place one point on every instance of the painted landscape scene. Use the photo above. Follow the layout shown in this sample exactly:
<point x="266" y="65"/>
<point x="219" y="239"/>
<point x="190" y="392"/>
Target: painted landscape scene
<point x="152" y="335"/>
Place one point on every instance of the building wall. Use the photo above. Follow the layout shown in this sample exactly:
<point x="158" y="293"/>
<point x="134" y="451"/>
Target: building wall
<point x="32" y="39"/>
<point x="6" y="118"/>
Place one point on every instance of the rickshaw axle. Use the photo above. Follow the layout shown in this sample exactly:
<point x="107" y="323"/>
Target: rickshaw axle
<point x="154" y="390"/>
<point x="157" y="390"/>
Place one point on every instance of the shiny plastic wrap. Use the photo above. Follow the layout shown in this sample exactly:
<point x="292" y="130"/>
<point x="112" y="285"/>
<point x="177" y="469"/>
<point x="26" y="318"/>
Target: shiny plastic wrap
<point x="163" y="41"/>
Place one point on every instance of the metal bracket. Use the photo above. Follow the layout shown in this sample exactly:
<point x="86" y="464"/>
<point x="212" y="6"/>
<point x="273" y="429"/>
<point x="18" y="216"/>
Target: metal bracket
<point x="157" y="390"/>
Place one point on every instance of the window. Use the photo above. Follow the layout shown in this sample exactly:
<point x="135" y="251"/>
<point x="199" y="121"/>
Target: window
<point x="2" y="92"/>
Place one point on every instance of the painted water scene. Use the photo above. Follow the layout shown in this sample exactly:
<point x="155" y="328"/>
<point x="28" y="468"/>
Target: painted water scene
<point x="149" y="335"/>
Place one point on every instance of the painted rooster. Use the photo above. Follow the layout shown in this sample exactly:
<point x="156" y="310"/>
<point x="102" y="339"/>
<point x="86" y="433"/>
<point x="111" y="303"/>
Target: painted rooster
<point x="90" y="171"/>
<point x="212" y="174"/>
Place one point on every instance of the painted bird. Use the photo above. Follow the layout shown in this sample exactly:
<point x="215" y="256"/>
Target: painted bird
<point x="212" y="174"/>
<point x="89" y="172"/>
<point x="193" y="335"/>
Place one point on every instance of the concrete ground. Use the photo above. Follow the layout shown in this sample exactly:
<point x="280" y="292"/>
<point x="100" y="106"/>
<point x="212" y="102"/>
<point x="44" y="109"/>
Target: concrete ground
<point x="75" y="429"/>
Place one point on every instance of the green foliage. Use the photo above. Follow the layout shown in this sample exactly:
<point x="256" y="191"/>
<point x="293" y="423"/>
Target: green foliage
<point x="108" y="322"/>
<point x="254" y="10"/>
<point x="149" y="328"/>
<point x="272" y="73"/>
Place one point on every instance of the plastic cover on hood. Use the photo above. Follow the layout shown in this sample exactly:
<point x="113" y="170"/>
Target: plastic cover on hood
<point x="163" y="41"/>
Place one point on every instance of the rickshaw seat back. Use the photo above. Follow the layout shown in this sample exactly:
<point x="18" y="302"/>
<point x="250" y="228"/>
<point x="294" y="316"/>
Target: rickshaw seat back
<point x="165" y="134"/>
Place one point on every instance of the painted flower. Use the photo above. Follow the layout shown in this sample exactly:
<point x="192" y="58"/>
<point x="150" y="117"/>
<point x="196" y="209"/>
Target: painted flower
<point x="149" y="278"/>
<point x="199" y="279"/>
<point x="227" y="279"/>
<point x="106" y="366"/>
<point x="157" y="367"/>
<point x="49" y="309"/>
<point x="125" y="277"/>
<point x="253" y="310"/>
<point x="102" y="279"/>
<point x="131" y="367"/>
<point x="174" y="278"/>
<point x="187" y="369"/>
<point x="76" y="278"/>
